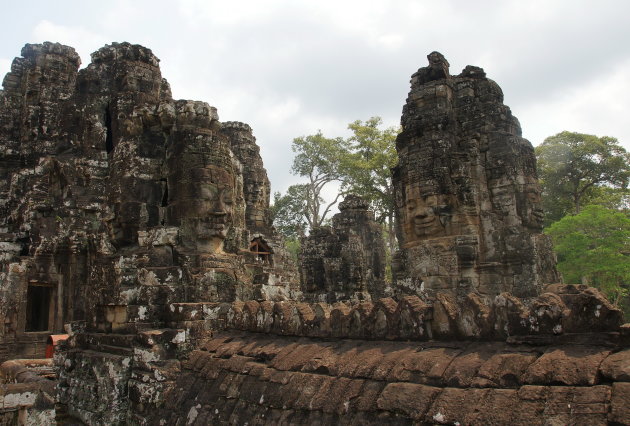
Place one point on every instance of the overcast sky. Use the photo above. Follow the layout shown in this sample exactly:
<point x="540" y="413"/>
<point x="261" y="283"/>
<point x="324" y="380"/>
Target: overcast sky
<point x="289" y="67"/>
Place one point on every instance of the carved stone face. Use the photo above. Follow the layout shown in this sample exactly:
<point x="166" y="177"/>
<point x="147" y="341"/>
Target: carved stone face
<point x="212" y="203"/>
<point x="532" y="213"/>
<point x="427" y="215"/>
<point x="503" y="198"/>
<point x="519" y="204"/>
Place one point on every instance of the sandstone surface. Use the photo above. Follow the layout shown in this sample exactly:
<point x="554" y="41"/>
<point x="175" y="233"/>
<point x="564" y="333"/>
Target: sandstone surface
<point x="140" y="226"/>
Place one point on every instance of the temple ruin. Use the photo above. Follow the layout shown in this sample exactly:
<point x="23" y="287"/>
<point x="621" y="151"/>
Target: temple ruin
<point x="118" y="200"/>
<point x="140" y="226"/>
<point x="468" y="208"/>
<point x="345" y="261"/>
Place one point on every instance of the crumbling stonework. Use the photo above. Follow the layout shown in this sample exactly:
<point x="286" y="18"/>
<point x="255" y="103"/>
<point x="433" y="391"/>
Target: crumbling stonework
<point x="27" y="392"/>
<point x="240" y="378"/>
<point x="140" y="225"/>
<point x="562" y="313"/>
<point x="345" y="261"/>
<point x="467" y="196"/>
<point x="117" y="199"/>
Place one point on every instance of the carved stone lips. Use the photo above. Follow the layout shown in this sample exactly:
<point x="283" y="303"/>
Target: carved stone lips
<point x="421" y="225"/>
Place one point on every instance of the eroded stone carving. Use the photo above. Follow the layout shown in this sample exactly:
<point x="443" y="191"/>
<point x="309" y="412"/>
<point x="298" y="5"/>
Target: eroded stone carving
<point x="345" y="261"/>
<point x="467" y="196"/>
<point x="117" y="199"/>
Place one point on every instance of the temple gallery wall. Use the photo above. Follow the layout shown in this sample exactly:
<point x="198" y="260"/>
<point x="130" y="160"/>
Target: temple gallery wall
<point x="140" y="226"/>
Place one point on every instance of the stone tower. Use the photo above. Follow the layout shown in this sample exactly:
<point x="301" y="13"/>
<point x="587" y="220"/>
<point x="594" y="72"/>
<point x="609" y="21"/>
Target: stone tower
<point x="345" y="261"/>
<point x="467" y="195"/>
<point x="116" y="199"/>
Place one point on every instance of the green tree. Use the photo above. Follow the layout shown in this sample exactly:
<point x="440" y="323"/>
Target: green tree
<point x="575" y="169"/>
<point x="318" y="159"/>
<point x="360" y="164"/>
<point x="288" y="212"/>
<point x="367" y="169"/>
<point x="593" y="247"/>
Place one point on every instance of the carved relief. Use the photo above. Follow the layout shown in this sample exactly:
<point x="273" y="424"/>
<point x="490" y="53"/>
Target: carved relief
<point x="468" y="199"/>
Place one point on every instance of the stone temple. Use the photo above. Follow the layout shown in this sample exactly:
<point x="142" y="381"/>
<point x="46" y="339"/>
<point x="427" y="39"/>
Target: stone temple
<point x="467" y="194"/>
<point x="140" y="226"/>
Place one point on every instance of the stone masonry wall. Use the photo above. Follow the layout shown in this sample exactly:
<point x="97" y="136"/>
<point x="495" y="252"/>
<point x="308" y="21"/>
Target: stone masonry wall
<point x="563" y="313"/>
<point x="240" y="378"/>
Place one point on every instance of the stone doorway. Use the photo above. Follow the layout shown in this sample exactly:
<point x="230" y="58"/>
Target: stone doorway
<point x="39" y="308"/>
<point x="262" y="250"/>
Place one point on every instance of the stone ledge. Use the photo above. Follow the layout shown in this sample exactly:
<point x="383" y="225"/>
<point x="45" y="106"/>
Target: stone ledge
<point x="561" y="317"/>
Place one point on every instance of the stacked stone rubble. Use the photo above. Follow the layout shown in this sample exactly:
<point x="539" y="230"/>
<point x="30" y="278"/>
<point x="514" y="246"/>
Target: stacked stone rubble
<point x="27" y="392"/>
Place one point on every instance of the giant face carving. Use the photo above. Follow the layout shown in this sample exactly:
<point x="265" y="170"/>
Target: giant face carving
<point x="212" y="202"/>
<point x="518" y="203"/>
<point x="427" y="214"/>
<point x="531" y="211"/>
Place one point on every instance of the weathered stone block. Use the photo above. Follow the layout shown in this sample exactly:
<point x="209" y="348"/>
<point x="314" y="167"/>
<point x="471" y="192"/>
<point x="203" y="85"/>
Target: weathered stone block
<point x="503" y="370"/>
<point x="620" y="403"/>
<point x="570" y="365"/>
<point x="616" y="366"/>
<point x="406" y="398"/>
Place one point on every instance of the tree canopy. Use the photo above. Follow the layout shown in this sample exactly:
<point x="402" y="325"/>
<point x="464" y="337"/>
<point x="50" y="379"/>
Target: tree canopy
<point x="288" y="211"/>
<point x="318" y="159"/>
<point x="367" y="168"/>
<point x="576" y="169"/>
<point x="593" y="247"/>
<point x="359" y="164"/>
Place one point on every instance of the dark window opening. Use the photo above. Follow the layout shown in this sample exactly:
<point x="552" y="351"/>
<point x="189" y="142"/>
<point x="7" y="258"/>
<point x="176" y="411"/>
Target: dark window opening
<point x="109" y="140"/>
<point x="38" y="300"/>
<point x="25" y="246"/>
<point x="262" y="250"/>
<point x="164" y="192"/>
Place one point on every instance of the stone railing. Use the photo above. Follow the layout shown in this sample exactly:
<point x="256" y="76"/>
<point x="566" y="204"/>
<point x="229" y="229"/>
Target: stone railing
<point x="562" y="310"/>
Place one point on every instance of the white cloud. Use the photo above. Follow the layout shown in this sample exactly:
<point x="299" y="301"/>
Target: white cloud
<point x="201" y="13"/>
<point x="282" y="110"/>
<point x="290" y="68"/>
<point x="599" y="107"/>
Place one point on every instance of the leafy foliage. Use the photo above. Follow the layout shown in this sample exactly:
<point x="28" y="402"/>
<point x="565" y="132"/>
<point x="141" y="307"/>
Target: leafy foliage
<point x="318" y="159"/>
<point x="360" y="164"/>
<point x="367" y="168"/>
<point x="593" y="247"/>
<point x="288" y="211"/>
<point x="577" y="169"/>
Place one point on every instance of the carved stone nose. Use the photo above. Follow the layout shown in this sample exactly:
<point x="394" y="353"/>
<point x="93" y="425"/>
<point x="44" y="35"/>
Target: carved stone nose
<point x="422" y="213"/>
